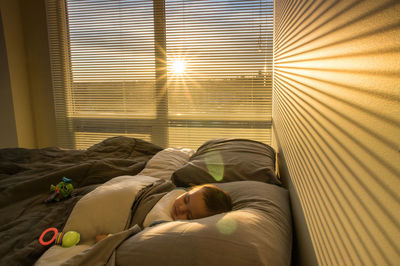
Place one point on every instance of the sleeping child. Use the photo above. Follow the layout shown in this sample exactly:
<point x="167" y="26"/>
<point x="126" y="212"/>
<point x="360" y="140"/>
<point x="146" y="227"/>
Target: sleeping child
<point x="182" y="204"/>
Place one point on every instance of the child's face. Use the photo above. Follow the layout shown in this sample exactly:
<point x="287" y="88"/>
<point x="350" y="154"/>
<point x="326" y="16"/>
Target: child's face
<point x="190" y="205"/>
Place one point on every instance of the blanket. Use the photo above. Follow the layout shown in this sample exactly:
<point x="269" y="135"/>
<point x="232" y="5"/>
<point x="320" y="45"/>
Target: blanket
<point x="25" y="179"/>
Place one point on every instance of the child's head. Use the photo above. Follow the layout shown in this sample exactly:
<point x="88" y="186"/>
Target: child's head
<point x="201" y="201"/>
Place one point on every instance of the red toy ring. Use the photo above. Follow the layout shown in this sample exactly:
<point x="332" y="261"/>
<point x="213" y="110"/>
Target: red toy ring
<point x="45" y="232"/>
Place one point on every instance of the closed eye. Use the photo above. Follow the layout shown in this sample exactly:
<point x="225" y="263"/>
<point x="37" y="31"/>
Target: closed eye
<point x="187" y="201"/>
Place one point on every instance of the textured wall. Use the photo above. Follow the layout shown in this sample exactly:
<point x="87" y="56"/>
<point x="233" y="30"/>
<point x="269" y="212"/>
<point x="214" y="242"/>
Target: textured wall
<point x="337" y="118"/>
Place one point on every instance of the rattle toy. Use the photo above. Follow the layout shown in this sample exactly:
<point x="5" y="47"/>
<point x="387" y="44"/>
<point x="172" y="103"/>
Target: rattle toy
<point x="61" y="191"/>
<point x="66" y="240"/>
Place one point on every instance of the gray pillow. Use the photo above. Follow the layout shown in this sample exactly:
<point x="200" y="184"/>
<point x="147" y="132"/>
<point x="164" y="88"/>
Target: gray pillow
<point x="257" y="232"/>
<point x="227" y="160"/>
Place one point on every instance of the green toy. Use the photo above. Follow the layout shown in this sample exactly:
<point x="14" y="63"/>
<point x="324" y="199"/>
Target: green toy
<point x="61" y="191"/>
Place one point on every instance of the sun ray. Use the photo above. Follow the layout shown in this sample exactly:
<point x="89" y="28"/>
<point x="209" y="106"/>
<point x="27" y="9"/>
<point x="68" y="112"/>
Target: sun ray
<point x="187" y="92"/>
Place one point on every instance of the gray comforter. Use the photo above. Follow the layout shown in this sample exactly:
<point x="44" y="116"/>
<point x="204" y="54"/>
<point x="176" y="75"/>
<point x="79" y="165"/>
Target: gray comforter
<point x="25" y="178"/>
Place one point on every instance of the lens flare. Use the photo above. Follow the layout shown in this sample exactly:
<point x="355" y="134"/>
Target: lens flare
<point x="215" y="165"/>
<point x="226" y="225"/>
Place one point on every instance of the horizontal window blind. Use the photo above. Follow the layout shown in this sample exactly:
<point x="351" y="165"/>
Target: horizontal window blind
<point x="103" y="69"/>
<point x="176" y="73"/>
<point x="224" y="90"/>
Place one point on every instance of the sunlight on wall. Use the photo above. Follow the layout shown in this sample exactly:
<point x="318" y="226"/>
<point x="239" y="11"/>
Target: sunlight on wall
<point x="337" y="116"/>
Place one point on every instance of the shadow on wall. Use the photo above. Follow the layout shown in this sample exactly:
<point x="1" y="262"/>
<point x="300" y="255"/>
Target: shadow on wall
<point x="337" y="115"/>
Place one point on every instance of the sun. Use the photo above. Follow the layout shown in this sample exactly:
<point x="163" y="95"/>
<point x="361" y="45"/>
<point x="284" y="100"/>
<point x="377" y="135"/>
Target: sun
<point x="178" y="66"/>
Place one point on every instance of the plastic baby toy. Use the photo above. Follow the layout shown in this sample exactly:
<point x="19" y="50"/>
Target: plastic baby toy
<point x="61" y="191"/>
<point x="66" y="240"/>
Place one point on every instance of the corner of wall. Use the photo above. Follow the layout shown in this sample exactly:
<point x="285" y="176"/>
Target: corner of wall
<point x="303" y="253"/>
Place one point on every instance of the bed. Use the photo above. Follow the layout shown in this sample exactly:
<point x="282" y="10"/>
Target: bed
<point x="120" y="181"/>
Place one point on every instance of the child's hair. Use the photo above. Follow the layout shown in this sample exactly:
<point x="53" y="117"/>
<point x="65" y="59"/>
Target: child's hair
<point x="217" y="200"/>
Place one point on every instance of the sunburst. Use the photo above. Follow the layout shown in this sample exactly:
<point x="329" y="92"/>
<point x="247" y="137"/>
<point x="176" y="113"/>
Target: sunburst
<point x="178" y="66"/>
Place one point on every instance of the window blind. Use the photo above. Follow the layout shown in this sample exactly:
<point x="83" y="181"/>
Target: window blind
<point x="176" y="73"/>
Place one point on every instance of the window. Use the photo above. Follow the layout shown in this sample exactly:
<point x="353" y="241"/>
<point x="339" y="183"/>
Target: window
<point x="173" y="72"/>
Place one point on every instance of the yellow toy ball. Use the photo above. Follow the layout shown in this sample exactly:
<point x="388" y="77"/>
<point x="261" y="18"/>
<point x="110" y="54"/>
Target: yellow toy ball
<point x="70" y="239"/>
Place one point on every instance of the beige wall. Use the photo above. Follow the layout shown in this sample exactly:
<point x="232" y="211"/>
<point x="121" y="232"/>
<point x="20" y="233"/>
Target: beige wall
<point x="17" y="68"/>
<point x="337" y="118"/>
<point x="26" y="47"/>
<point x="8" y="134"/>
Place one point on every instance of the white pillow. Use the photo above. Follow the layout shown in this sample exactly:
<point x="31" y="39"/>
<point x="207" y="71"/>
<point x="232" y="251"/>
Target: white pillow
<point x="162" y="210"/>
<point x="107" y="208"/>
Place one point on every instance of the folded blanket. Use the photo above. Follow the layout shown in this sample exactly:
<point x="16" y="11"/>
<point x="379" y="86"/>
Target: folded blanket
<point x="147" y="198"/>
<point x="102" y="253"/>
